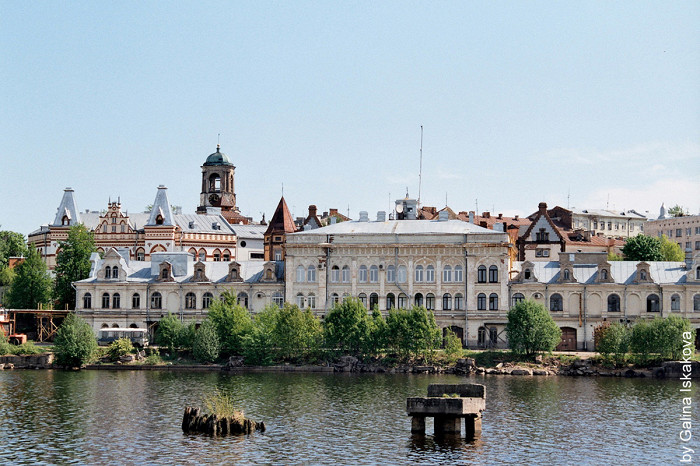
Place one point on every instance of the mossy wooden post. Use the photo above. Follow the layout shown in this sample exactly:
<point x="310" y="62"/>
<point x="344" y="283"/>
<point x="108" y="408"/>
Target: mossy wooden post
<point x="448" y="405"/>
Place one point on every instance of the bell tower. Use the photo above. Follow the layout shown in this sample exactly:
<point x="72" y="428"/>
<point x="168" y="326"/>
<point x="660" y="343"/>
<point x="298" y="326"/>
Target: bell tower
<point x="217" y="183"/>
<point x="218" y="188"/>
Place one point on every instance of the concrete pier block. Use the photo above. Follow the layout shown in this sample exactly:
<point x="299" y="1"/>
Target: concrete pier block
<point x="418" y="424"/>
<point x="472" y="426"/>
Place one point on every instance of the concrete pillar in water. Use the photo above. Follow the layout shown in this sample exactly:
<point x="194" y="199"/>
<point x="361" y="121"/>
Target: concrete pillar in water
<point x="418" y="425"/>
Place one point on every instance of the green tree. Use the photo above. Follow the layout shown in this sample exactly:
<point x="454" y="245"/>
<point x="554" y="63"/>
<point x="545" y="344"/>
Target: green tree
<point x="412" y="333"/>
<point x="232" y="322"/>
<point x="376" y="335"/>
<point x="259" y="344"/>
<point x="642" y="248"/>
<point x="72" y="264"/>
<point x="185" y="336"/>
<point x="119" y="348"/>
<point x="32" y="284"/>
<point x="531" y="329"/>
<point x="671" y="251"/>
<point x="346" y="327"/>
<point x="612" y="341"/>
<point x="168" y="334"/>
<point x="612" y="256"/>
<point x="677" y="211"/>
<point x="12" y="244"/>
<point x="453" y="346"/>
<point x="206" y="346"/>
<point x="75" y="343"/>
<point x="297" y="333"/>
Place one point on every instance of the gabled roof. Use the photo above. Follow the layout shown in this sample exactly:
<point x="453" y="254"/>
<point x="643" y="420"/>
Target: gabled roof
<point x="281" y="220"/>
<point x="67" y="208"/>
<point x="541" y="215"/>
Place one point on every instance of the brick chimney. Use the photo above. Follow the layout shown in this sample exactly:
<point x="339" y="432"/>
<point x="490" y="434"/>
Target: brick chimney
<point x="312" y="210"/>
<point x="543" y="208"/>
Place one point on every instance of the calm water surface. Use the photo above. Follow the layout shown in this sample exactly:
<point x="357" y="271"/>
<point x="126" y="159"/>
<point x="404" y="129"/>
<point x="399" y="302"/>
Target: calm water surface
<point x="101" y="417"/>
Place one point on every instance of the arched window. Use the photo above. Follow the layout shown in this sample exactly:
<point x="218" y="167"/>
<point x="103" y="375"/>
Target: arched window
<point x="156" y="300"/>
<point x="311" y="301"/>
<point x="430" y="274"/>
<point x="373" y="301"/>
<point x="528" y="273"/>
<point x="301" y="273"/>
<point x="136" y="301"/>
<point x="613" y="303"/>
<point x="346" y="274"/>
<point x="214" y="183"/>
<point x="242" y="299"/>
<point x="116" y="301"/>
<point x="517" y="297"/>
<point x="202" y="255"/>
<point x="603" y="274"/>
<point x="105" y="300"/>
<point x="643" y="275"/>
<point x="226" y="255"/>
<point x="401" y="274"/>
<point x="447" y="275"/>
<point x="190" y="301"/>
<point x="459" y="301"/>
<point x="300" y="300"/>
<point x="697" y="273"/>
<point x="390" y="301"/>
<point x="311" y="274"/>
<point x="87" y="301"/>
<point x="418" y="299"/>
<point x="65" y="220"/>
<point x="481" y="302"/>
<point x="207" y="298"/>
<point x="363" y="299"/>
<point x="346" y="296"/>
<point x="217" y="255"/>
<point x="556" y="303"/>
<point x="419" y="274"/>
<point x="115" y="272"/>
<point x="430" y="302"/>
<point x="373" y="274"/>
<point x="446" y="302"/>
<point x="362" y="275"/>
<point x="108" y="272"/>
<point x="696" y="303"/>
<point x="653" y="303"/>
<point x="675" y="302"/>
<point x="140" y="255"/>
<point x="403" y="301"/>
<point x="567" y="274"/>
<point x="164" y="274"/>
<point x="481" y="274"/>
<point x="458" y="275"/>
<point x="335" y="298"/>
<point x="493" y="274"/>
<point x="159" y="220"/>
<point x="335" y="274"/>
<point x="277" y="299"/>
<point x="390" y="275"/>
<point x="493" y="302"/>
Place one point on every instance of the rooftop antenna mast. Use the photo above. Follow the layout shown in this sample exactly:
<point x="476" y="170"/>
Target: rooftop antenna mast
<point x="568" y="198"/>
<point x="420" y="171"/>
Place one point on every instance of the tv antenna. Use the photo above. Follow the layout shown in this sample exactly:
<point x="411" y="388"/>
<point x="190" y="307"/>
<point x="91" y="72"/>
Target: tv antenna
<point x="420" y="170"/>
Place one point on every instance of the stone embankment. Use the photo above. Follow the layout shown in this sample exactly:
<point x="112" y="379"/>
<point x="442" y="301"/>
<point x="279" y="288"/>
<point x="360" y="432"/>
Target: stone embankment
<point x="193" y="421"/>
<point x="26" y="361"/>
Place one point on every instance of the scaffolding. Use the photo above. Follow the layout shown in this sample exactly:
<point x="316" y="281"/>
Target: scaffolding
<point x="46" y="321"/>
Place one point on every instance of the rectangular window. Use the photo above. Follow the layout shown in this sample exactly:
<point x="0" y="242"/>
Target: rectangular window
<point x="538" y="253"/>
<point x="679" y="232"/>
<point x="697" y="245"/>
<point x="697" y="230"/>
<point x="545" y="253"/>
<point x="687" y="231"/>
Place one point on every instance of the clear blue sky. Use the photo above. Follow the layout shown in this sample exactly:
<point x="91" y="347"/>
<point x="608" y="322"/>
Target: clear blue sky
<point x="521" y="102"/>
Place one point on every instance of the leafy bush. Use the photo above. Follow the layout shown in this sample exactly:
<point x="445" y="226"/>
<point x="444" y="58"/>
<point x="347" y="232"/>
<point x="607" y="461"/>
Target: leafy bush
<point x="167" y="335"/>
<point x="612" y="341"/>
<point x="119" y="348"/>
<point x="75" y="342"/>
<point x="531" y="329"/>
<point x="185" y="336"/>
<point x="27" y="348"/>
<point x="206" y="346"/>
<point x="232" y="322"/>
<point x="5" y="347"/>
<point x="453" y="346"/>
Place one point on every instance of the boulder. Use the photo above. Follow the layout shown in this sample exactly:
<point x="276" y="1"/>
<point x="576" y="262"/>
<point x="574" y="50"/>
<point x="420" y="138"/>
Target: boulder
<point x="234" y="361"/>
<point x="539" y="372"/>
<point x="126" y="358"/>
<point x="521" y="371"/>
<point x="346" y="364"/>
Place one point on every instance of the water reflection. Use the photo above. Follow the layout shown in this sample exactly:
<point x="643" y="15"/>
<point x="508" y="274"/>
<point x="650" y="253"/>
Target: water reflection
<point x="134" y="418"/>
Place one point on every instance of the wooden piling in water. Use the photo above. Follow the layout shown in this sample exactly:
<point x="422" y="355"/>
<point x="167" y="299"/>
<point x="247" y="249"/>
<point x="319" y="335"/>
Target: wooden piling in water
<point x="193" y="421"/>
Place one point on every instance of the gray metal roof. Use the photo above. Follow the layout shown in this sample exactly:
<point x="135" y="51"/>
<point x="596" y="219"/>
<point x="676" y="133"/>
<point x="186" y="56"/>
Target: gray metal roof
<point x="250" y="231"/>
<point x="197" y="223"/>
<point x="67" y="208"/>
<point x="622" y="272"/>
<point x="399" y="227"/>
<point x="609" y="213"/>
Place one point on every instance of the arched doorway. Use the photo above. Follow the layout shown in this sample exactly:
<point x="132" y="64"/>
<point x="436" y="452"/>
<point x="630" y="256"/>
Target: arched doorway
<point x="568" y="339"/>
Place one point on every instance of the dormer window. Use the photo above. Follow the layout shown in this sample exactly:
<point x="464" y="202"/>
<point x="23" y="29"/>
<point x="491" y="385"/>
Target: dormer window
<point x="108" y="272"/>
<point x="542" y="235"/>
<point x="603" y="274"/>
<point x="697" y="273"/>
<point x="164" y="274"/>
<point x="643" y="275"/>
<point x="159" y="219"/>
<point x="567" y="274"/>
<point x="65" y="221"/>
<point x="527" y="274"/>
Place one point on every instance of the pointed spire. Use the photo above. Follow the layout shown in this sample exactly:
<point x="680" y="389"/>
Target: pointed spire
<point x="282" y="219"/>
<point x="68" y="213"/>
<point x="161" y="213"/>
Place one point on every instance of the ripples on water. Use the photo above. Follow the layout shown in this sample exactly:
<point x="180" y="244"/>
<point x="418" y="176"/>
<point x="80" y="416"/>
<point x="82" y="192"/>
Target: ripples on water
<point x="93" y="417"/>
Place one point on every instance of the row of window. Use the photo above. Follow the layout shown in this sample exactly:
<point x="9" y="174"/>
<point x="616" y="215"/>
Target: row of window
<point x="157" y="300"/>
<point x="556" y="302"/>
<point x="397" y="274"/>
<point x="217" y="255"/>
